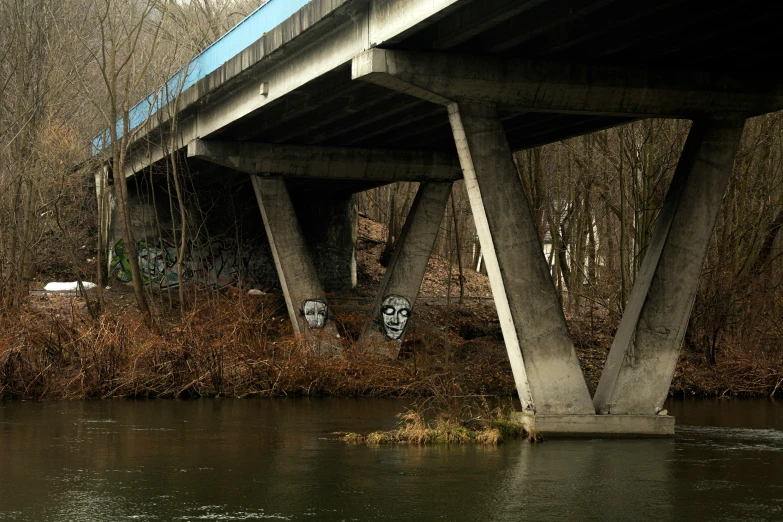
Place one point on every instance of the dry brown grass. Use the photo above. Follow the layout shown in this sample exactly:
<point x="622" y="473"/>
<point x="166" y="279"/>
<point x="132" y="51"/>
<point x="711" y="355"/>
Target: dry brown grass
<point x="737" y="372"/>
<point x="235" y="345"/>
<point x="232" y="345"/>
<point x="745" y="366"/>
<point x="491" y="429"/>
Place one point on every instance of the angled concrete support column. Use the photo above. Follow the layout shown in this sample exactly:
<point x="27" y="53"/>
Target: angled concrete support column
<point x="546" y="370"/>
<point x="304" y="297"/>
<point x="641" y="362"/>
<point x="393" y="306"/>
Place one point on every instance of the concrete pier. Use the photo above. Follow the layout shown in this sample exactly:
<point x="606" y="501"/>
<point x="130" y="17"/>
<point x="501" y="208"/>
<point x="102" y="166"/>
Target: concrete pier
<point x="104" y="196"/>
<point x="542" y="355"/>
<point x="304" y="297"/>
<point x="393" y="306"/>
<point x="641" y="362"/>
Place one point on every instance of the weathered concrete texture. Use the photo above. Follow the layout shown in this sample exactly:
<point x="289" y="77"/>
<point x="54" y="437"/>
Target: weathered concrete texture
<point x="316" y="40"/>
<point x="393" y="306"/>
<point x="595" y="89"/>
<point x="304" y="297"/>
<point x="546" y="370"/>
<point x="607" y="426"/>
<point x="143" y="217"/>
<point x="641" y="362"/>
<point x="330" y="227"/>
<point x="328" y="162"/>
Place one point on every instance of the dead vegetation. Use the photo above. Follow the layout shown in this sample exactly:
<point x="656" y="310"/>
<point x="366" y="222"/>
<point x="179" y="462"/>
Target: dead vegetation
<point x="237" y="345"/>
<point x="737" y="373"/>
<point x="414" y="429"/>
<point x="448" y="416"/>
<point x="232" y="345"/>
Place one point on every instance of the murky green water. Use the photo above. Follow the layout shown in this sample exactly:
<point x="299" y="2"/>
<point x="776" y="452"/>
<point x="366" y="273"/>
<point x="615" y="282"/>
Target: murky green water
<point x="276" y="459"/>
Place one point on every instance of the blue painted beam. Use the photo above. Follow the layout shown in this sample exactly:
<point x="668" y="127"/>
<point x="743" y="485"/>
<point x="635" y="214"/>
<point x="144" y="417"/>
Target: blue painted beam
<point x="241" y="36"/>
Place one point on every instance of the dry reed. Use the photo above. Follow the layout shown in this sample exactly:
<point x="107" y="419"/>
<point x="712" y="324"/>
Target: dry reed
<point x="231" y="345"/>
<point x="236" y="346"/>
<point x="491" y="430"/>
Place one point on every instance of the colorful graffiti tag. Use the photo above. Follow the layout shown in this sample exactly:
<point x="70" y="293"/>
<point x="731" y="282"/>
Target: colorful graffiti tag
<point x="154" y="262"/>
<point x="218" y="262"/>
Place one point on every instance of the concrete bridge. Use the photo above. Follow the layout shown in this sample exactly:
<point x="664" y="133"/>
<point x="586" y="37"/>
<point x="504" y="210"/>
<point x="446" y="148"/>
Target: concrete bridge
<point x="333" y="97"/>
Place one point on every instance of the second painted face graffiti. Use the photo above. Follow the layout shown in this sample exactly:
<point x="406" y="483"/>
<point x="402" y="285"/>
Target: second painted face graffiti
<point x="316" y="312"/>
<point x="395" y="311"/>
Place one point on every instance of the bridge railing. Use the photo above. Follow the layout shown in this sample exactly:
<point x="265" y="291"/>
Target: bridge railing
<point x="239" y="37"/>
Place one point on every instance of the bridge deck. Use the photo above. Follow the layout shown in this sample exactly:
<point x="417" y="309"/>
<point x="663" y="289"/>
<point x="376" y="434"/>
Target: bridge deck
<point x="313" y="100"/>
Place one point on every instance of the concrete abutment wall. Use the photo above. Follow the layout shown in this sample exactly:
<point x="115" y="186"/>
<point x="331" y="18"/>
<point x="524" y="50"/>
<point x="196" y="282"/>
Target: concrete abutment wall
<point x="226" y="243"/>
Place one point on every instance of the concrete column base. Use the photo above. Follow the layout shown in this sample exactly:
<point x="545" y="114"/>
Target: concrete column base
<point x="603" y="426"/>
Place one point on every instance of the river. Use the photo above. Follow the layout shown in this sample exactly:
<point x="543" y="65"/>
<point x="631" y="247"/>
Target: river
<point x="249" y="459"/>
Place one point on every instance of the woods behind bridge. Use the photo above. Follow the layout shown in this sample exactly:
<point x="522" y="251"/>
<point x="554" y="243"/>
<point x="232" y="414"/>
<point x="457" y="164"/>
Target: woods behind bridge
<point x="596" y="199"/>
<point x="70" y="69"/>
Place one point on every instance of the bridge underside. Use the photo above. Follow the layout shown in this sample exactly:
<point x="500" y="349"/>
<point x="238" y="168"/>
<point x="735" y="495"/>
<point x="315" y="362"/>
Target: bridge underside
<point x="333" y="110"/>
<point x="450" y="95"/>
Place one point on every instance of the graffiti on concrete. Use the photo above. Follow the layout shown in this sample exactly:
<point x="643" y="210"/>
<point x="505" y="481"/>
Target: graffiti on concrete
<point x="153" y="262"/>
<point x="216" y="263"/>
<point x="395" y="311"/>
<point x="316" y="313"/>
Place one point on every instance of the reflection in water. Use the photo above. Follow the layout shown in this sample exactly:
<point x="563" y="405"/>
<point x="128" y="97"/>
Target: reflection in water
<point x="588" y="480"/>
<point x="277" y="459"/>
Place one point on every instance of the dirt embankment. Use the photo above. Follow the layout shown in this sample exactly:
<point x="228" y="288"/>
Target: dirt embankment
<point x="233" y="344"/>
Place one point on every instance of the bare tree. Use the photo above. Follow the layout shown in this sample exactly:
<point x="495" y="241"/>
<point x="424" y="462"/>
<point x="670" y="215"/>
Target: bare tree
<point x="120" y="39"/>
<point x="28" y="79"/>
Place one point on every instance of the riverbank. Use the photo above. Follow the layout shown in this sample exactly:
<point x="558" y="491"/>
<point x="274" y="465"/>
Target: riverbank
<point x="231" y="344"/>
<point x="236" y="345"/>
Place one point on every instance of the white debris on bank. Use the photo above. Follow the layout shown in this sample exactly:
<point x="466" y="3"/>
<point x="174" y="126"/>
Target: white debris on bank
<point x="255" y="291"/>
<point x="68" y="287"/>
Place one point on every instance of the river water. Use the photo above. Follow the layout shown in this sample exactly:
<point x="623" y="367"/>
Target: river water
<point x="277" y="459"/>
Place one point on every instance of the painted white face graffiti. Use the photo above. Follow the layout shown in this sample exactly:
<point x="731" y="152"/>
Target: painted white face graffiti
<point x="395" y="310"/>
<point x="315" y="312"/>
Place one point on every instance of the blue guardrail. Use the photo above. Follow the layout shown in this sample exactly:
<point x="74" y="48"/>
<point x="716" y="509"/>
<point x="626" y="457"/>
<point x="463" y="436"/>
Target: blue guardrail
<point x="253" y="27"/>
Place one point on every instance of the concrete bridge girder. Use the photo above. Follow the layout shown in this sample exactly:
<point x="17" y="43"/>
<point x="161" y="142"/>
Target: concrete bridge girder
<point x="320" y="38"/>
<point x="343" y="163"/>
<point x="569" y="88"/>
